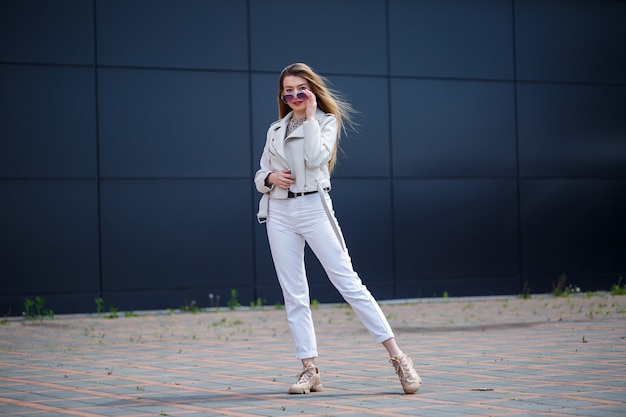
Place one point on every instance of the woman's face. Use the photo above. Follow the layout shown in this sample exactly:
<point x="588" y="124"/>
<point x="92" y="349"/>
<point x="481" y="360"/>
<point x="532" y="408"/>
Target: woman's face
<point x="292" y="85"/>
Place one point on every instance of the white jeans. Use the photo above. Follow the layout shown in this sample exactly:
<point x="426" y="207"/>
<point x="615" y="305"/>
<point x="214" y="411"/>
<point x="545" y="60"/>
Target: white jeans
<point x="290" y="224"/>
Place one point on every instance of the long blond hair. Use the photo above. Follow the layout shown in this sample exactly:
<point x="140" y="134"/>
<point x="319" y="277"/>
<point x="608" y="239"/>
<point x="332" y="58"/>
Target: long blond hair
<point x="328" y="101"/>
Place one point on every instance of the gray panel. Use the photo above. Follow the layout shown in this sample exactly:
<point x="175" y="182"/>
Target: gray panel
<point x="173" y="123"/>
<point x="159" y="234"/>
<point x="364" y="152"/>
<point x="173" y="298"/>
<point x="264" y="102"/>
<point x="451" y="38"/>
<point x="462" y="228"/>
<point x="561" y="40"/>
<point x="572" y="130"/>
<point x="198" y="119"/>
<point x="347" y="36"/>
<point x="453" y="128"/>
<point x="363" y="209"/>
<point x="459" y="287"/>
<point x="49" y="239"/>
<point x="264" y="267"/>
<point x="176" y="34"/>
<point x="573" y="226"/>
<point x="43" y="31"/>
<point x="48" y="121"/>
<point x="270" y="294"/>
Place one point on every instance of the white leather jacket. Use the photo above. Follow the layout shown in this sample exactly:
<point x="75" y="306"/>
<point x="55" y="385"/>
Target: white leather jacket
<point x="314" y="140"/>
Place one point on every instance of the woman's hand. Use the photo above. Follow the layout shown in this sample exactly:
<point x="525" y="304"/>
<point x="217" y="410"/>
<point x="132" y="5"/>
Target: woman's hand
<point x="311" y="104"/>
<point x="282" y="179"/>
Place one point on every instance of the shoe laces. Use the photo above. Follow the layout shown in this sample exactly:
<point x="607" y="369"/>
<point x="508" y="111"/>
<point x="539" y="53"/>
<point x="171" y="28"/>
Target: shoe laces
<point x="404" y="367"/>
<point x="306" y="375"/>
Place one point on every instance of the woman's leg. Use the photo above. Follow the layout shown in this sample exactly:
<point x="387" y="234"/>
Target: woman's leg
<point x="287" y="247"/>
<point x="338" y="266"/>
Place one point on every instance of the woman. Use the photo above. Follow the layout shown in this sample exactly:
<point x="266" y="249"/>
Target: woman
<point x="299" y="155"/>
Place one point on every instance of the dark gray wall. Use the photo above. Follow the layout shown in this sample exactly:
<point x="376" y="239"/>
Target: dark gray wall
<point x="490" y="157"/>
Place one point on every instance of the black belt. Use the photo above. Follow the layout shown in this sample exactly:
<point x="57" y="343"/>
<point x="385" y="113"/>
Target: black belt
<point x="294" y="195"/>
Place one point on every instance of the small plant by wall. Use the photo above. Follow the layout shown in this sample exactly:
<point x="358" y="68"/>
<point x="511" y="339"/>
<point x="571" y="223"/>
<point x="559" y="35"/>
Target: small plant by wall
<point x="191" y="307"/>
<point x="35" y="309"/>
<point x="233" y="303"/>
<point x="619" y="288"/>
<point x="562" y="289"/>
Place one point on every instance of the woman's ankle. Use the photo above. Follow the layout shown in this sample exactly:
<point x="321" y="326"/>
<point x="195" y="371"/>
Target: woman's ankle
<point x="392" y="347"/>
<point x="308" y="362"/>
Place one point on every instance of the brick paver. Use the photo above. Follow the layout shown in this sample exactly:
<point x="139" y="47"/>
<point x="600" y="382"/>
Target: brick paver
<point x="496" y="356"/>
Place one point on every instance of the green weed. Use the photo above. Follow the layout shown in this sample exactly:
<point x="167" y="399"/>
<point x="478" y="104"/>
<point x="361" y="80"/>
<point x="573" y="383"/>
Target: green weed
<point x="99" y="305"/>
<point x="618" y="289"/>
<point x="191" y="307"/>
<point x="112" y="313"/>
<point x="561" y="289"/>
<point x="34" y="309"/>
<point x="233" y="303"/>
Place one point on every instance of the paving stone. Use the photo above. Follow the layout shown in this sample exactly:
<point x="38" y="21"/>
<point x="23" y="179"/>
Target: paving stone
<point x="480" y="356"/>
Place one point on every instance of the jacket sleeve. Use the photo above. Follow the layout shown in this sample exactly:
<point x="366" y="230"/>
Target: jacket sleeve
<point x="319" y="140"/>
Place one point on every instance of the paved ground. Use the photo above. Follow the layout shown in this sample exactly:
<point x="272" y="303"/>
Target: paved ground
<point x="544" y="356"/>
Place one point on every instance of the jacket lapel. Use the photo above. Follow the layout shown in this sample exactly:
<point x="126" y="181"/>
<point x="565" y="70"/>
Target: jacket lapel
<point x="280" y="128"/>
<point x="278" y="136"/>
